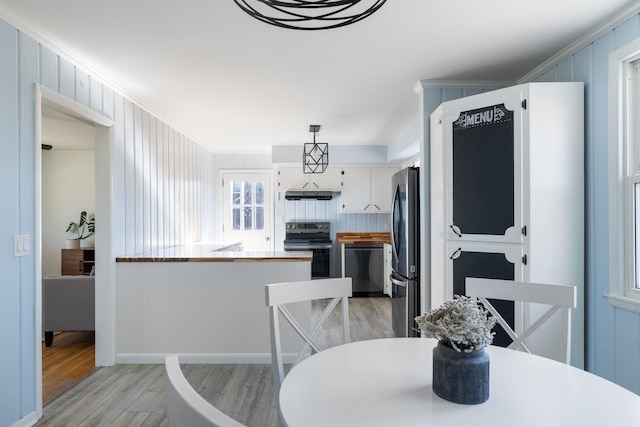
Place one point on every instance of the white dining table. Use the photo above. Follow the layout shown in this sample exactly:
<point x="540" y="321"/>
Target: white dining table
<point x="387" y="382"/>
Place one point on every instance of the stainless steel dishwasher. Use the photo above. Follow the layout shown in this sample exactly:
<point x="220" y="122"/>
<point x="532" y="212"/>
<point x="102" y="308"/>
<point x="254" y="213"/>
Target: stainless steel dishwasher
<point x="364" y="263"/>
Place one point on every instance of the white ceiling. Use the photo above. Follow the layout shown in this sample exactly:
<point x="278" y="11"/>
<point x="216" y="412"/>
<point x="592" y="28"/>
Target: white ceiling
<point x="233" y="83"/>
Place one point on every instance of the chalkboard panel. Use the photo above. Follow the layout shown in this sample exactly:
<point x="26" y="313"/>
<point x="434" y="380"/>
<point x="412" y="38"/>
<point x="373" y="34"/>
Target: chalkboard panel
<point x="486" y="266"/>
<point x="483" y="171"/>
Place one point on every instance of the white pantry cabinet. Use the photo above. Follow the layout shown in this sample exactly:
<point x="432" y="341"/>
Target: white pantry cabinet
<point x="366" y="189"/>
<point x="507" y="193"/>
<point x="293" y="178"/>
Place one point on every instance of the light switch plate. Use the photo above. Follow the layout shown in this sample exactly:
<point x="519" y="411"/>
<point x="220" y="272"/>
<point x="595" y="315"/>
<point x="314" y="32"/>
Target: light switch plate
<point x="21" y="245"/>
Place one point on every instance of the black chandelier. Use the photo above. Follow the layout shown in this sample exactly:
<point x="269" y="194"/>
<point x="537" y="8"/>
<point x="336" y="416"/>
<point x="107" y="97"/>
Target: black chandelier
<point x="315" y="157"/>
<point x="310" y="14"/>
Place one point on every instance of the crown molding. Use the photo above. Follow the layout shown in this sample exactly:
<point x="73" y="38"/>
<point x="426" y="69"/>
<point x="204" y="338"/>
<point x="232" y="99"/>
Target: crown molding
<point x="47" y="42"/>
<point x="584" y="41"/>
<point x="460" y="84"/>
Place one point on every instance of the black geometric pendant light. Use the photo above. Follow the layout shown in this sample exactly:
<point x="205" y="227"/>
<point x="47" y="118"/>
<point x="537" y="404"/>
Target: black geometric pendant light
<point x="315" y="157"/>
<point x="310" y="14"/>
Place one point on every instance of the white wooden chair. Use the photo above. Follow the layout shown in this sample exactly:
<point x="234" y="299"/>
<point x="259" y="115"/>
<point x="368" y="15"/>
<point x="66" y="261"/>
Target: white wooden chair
<point x="560" y="297"/>
<point x="185" y="407"/>
<point x="279" y="294"/>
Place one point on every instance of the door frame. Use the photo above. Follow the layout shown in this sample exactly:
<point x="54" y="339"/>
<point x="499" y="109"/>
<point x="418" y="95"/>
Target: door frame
<point x="105" y="280"/>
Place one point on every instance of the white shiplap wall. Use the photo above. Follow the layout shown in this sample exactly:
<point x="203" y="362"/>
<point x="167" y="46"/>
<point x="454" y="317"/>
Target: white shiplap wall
<point x="162" y="177"/>
<point x="163" y="180"/>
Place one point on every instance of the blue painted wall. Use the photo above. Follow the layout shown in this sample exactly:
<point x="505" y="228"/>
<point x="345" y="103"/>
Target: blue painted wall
<point x="11" y="310"/>
<point x="613" y="334"/>
<point x="161" y="183"/>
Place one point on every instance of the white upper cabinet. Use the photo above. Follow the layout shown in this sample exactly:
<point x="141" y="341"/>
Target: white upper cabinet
<point x="292" y="178"/>
<point x="381" y="188"/>
<point x="330" y="179"/>
<point x="366" y="189"/>
<point x="356" y="190"/>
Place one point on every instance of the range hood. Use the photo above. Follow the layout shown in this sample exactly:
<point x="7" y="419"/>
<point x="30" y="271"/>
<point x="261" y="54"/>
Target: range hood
<point x="308" y="195"/>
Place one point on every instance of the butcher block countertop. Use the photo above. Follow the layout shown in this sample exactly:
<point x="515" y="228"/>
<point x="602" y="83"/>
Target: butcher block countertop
<point x="372" y="237"/>
<point x="215" y="253"/>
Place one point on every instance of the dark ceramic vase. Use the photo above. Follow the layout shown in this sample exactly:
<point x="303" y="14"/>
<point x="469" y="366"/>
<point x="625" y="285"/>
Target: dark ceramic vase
<point x="460" y="377"/>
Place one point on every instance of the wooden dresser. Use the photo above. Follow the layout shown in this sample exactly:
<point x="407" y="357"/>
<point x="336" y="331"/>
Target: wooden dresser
<point x="76" y="262"/>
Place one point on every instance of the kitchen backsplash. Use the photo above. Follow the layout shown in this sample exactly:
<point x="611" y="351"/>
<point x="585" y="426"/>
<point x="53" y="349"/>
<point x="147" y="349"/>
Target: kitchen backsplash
<point x="329" y="210"/>
<point x="325" y="210"/>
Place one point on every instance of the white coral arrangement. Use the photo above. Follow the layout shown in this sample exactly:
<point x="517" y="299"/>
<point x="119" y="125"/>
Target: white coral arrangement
<point x="461" y="323"/>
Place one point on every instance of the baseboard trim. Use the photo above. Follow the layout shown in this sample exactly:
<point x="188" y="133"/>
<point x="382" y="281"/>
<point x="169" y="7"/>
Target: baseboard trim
<point x="27" y="421"/>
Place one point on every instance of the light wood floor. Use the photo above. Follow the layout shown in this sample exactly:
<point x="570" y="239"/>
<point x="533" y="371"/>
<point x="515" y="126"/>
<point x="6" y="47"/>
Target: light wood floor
<point x="67" y="361"/>
<point x="133" y="395"/>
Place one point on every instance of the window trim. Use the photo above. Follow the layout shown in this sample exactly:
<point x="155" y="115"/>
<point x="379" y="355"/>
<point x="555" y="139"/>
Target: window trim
<point x="630" y="244"/>
<point x="622" y="292"/>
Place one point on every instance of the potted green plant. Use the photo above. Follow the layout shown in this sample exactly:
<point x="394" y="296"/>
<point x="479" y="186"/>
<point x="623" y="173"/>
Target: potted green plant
<point x="460" y="364"/>
<point x="83" y="229"/>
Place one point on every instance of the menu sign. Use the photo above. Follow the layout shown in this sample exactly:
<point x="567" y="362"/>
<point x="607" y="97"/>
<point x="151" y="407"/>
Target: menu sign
<point x="483" y="171"/>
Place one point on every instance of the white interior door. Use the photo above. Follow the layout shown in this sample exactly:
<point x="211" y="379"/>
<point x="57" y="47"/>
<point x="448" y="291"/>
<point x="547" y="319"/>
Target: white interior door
<point x="248" y="205"/>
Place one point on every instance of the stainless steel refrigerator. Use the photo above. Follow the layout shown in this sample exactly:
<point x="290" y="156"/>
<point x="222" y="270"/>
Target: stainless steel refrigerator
<point x="405" y="252"/>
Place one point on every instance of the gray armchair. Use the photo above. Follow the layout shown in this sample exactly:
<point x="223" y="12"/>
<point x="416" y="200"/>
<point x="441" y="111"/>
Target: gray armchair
<point x="68" y="304"/>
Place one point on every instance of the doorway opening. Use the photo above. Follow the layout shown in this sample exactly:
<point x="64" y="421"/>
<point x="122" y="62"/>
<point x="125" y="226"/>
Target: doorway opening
<point x="48" y="102"/>
<point x="68" y="188"/>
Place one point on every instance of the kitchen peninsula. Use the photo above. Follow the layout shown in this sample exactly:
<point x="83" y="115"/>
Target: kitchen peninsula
<point x="202" y="302"/>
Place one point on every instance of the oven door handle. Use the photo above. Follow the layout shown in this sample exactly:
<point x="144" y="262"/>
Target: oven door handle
<point x="308" y="247"/>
